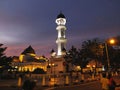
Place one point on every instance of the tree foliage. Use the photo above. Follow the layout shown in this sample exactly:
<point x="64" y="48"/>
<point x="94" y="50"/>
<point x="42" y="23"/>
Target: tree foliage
<point x="4" y="60"/>
<point x="2" y="49"/>
<point x="95" y="49"/>
<point x="73" y="56"/>
<point x="92" y="48"/>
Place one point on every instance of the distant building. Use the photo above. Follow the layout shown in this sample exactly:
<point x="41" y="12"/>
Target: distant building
<point x="29" y="61"/>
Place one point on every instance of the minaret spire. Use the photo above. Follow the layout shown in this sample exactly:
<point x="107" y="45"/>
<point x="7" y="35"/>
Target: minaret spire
<point x="61" y="28"/>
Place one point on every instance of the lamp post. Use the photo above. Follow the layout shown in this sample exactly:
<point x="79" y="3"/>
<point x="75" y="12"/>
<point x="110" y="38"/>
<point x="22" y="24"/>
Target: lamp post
<point x="108" y="60"/>
<point x="111" y="41"/>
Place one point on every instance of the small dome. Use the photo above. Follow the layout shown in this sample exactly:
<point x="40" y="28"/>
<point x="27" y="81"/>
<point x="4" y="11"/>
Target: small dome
<point x="60" y="16"/>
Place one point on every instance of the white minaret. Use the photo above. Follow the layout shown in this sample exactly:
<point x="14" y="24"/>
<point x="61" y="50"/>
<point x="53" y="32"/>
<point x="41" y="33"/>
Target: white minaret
<point x="61" y="28"/>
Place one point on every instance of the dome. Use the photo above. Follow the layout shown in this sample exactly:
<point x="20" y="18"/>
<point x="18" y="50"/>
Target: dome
<point x="60" y="16"/>
<point x="29" y="50"/>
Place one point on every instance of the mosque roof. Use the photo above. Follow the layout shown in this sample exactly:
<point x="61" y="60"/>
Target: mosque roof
<point x="29" y="50"/>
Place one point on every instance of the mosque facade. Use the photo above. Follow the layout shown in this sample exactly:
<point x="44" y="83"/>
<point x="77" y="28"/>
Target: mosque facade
<point x="29" y="61"/>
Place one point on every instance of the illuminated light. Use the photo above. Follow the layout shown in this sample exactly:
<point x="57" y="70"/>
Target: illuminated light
<point x="112" y="41"/>
<point x="37" y="57"/>
<point x="61" y="21"/>
<point x="101" y="46"/>
<point x="88" y="66"/>
<point x="32" y="54"/>
<point x="78" y="68"/>
<point x="19" y="82"/>
<point x="16" y="66"/>
<point x="41" y="57"/>
<point x="33" y="68"/>
<point x="0" y="66"/>
<point x="103" y="68"/>
<point x="59" y="28"/>
<point x="53" y="64"/>
<point x="21" y="58"/>
<point x="93" y="65"/>
<point x="53" y="54"/>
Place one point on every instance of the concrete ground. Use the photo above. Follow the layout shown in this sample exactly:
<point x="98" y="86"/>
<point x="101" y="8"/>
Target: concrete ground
<point x="12" y="84"/>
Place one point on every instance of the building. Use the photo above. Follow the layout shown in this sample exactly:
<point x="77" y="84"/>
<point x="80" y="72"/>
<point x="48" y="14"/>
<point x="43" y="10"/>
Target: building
<point x="57" y="61"/>
<point x="29" y="61"/>
<point x="61" y="39"/>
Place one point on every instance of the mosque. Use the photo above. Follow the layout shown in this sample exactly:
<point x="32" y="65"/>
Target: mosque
<point x="29" y="61"/>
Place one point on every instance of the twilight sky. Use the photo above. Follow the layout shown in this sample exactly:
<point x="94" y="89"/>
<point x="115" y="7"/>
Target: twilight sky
<point x="32" y="22"/>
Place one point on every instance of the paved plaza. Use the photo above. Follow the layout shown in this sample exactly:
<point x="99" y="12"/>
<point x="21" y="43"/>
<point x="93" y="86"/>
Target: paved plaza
<point x="13" y="84"/>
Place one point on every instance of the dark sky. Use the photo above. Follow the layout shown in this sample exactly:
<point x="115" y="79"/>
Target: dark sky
<point x="32" y="22"/>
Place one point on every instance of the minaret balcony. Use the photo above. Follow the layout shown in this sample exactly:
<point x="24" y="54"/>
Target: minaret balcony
<point x="61" y="40"/>
<point x="61" y="27"/>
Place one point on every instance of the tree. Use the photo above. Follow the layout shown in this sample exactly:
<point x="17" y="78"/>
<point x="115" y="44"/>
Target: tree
<point x="2" y="49"/>
<point x="71" y="57"/>
<point x="73" y="53"/>
<point x="92" y="50"/>
<point x="4" y="60"/>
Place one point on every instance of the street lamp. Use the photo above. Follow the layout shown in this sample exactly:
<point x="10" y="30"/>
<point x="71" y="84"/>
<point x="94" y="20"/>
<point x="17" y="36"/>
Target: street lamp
<point x="108" y="60"/>
<point x="111" y="41"/>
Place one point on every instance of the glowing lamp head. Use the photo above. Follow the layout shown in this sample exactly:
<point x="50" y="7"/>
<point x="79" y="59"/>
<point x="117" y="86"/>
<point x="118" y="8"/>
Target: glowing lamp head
<point x="112" y="41"/>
